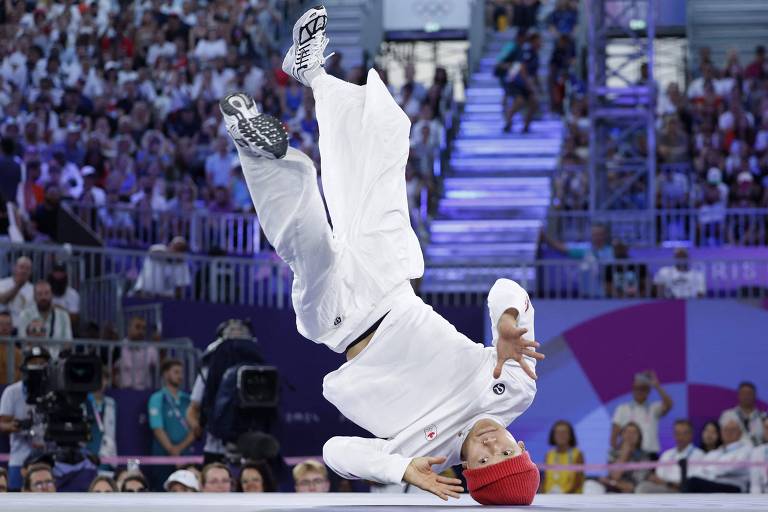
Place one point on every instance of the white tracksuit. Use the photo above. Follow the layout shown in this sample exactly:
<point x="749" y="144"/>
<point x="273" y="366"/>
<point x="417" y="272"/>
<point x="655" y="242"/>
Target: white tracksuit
<point x="419" y="385"/>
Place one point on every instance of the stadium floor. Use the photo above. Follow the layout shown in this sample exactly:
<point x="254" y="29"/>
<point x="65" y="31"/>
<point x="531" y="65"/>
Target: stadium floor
<point x="364" y="502"/>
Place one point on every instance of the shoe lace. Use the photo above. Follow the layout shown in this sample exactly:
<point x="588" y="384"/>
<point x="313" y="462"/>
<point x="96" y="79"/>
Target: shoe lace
<point x="313" y="48"/>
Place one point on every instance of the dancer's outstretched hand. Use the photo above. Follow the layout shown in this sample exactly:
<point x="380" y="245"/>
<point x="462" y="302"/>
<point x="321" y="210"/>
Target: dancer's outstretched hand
<point x="512" y="345"/>
<point x="419" y="473"/>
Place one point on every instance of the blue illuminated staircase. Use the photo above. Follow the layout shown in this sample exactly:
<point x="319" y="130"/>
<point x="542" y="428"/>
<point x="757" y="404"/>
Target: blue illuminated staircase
<point x="496" y="190"/>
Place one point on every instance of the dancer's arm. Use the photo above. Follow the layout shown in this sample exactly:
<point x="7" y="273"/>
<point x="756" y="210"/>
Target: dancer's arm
<point x="512" y="317"/>
<point x="359" y="458"/>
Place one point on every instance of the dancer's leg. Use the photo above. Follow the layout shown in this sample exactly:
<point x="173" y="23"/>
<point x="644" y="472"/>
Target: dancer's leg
<point x="364" y="146"/>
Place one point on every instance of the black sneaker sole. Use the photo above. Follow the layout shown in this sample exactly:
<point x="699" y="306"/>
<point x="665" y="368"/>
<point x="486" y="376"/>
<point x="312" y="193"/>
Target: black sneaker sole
<point x="266" y="133"/>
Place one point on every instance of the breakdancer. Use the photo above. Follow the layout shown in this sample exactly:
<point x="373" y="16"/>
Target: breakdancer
<point x="429" y="395"/>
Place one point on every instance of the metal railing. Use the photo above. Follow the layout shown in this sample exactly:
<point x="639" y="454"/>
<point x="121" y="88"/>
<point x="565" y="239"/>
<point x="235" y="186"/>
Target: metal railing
<point x="737" y="277"/>
<point x="109" y="352"/>
<point x="206" y="232"/>
<point x="704" y="227"/>
<point x="111" y="273"/>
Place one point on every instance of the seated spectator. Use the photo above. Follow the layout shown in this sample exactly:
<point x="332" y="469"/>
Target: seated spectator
<point x="134" y="482"/>
<point x="39" y="479"/>
<point x="710" y="439"/>
<point x="704" y="479"/>
<point x="45" y="218"/>
<point x="680" y="281"/>
<point x="16" y="292"/>
<point x="137" y="364"/>
<point x="55" y="320"/>
<point x="641" y="413"/>
<point x="167" y="409"/>
<point x="624" y="279"/>
<point x="712" y="209"/>
<point x="758" y="476"/>
<point x="8" y="349"/>
<point x="13" y="410"/>
<point x="674" y="145"/>
<point x="64" y="296"/>
<point x="102" y="410"/>
<point x="182" y="480"/>
<point x="103" y="484"/>
<point x="165" y="272"/>
<point x="216" y="477"/>
<point x="746" y="414"/>
<point x="3" y="480"/>
<point x="257" y="477"/>
<point x="600" y="251"/>
<point x="667" y="479"/>
<point x="629" y="449"/>
<point x="311" y="476"/>
<point x="563" y="439"/>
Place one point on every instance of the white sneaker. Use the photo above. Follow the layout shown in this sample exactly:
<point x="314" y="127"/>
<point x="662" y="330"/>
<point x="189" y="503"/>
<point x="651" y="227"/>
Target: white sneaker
<point x="260" y="134"/>
<point x="305" y="56"/>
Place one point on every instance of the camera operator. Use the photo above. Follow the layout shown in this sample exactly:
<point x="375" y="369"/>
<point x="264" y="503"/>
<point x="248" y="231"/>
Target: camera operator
<point x="18" y="418"/>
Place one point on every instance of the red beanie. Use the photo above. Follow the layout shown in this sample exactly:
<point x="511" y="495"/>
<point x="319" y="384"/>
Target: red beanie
<point x="512" y="482"/>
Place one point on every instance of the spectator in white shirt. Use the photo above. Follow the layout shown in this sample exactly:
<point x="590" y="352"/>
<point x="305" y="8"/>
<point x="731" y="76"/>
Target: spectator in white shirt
<point x="646" y="415"/>
<point x="16" y="292"/>
<point x="55" y="321"/>
<point x="165" y="271"/>
<point x="759" y="475"/>
<point x="211" y="47"/>
<point x="137" y="365"/>
<point x="667" y="479"/>
<point x="680" y="281"/>
<point x="746" y="414"/>
<point x="721" y="478"/>
<point x="219" y="165"/>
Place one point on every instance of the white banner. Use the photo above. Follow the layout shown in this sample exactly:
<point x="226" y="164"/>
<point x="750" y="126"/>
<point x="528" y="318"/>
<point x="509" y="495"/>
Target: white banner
<point x="427" y="15"/>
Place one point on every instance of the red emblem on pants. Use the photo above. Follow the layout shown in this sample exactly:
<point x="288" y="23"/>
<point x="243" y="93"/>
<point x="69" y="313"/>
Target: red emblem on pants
<point x="430" y="432"/>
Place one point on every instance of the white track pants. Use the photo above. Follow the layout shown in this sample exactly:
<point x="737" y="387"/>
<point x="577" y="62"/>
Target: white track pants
<point x="346" y="278"/>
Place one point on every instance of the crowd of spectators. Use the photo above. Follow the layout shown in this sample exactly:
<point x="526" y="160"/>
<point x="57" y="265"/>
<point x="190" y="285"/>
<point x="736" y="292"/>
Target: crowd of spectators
<point x="712" y="146"/>
<point x="739" y="436"/>
<point x="113" y="109"/>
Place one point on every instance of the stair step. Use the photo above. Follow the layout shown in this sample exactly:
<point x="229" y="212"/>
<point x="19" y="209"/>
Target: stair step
<point x="517" y="164"/>
<point x="480" y="183"/>
<point x="479" y="254"/>
<point x="507" y="146"/>
<point x="508" y="211"/>
<point x="484" y="231"/>
<point x="474" y="126"/>
<point x="474" y="279"/>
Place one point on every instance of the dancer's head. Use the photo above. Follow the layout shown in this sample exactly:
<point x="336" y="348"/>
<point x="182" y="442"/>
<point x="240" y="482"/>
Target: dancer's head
<point x="497" y="468"/>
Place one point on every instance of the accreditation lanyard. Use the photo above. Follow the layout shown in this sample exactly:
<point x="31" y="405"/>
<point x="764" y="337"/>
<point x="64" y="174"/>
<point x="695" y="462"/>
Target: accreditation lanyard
<point x="97" y="412"/>
<point x="175" y="408"/>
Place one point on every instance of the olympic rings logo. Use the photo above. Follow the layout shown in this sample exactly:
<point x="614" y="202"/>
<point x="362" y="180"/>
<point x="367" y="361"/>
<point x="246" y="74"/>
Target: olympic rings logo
<point x="432" y="8"/>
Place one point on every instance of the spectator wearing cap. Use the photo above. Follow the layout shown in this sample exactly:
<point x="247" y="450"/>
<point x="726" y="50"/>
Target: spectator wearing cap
<point x="668" y="479"/>
<point x="14" y="409"/>
<point x="165" y="272"/>
<point x="680" y="281"/>
<point x="182" y="480"/>
<point x="642" y="412"/>
<point x="16" y="292"/>
<point x="6" y="350"/>
<point x="746" y="414"/>
<point x="64" y="296"/>
<point x="723" y="478"/>
<point x="39" y="479"/>
<point x="92" y="193"/>
<point x="311" y="476"/>
<point x="55" y="320"/>
<point x="759" y="475"/>
<point x="167" y="410"/>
